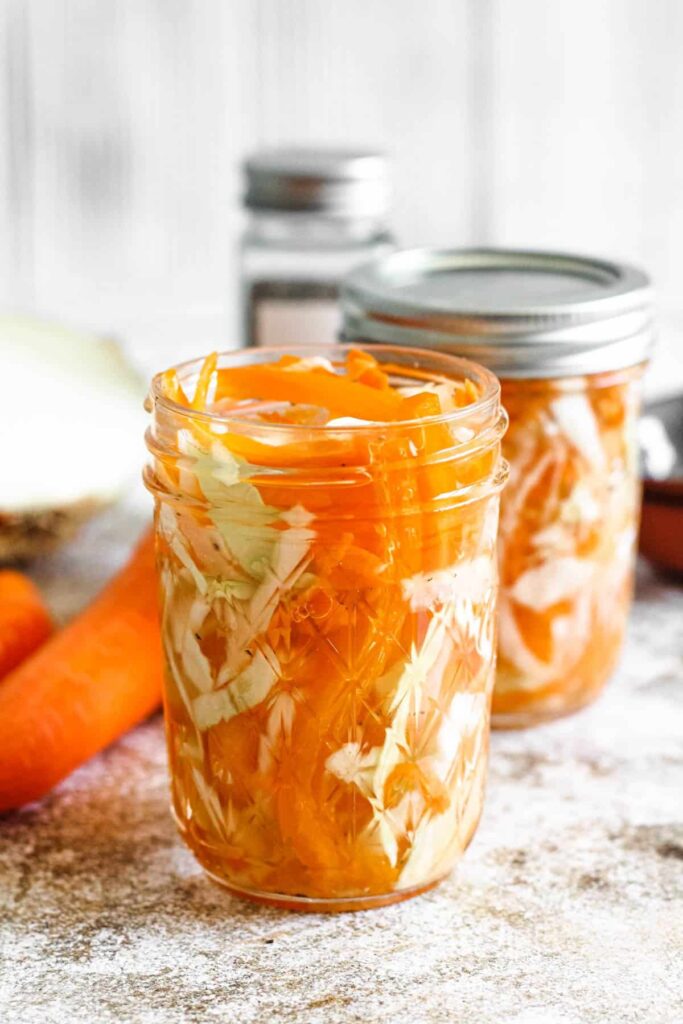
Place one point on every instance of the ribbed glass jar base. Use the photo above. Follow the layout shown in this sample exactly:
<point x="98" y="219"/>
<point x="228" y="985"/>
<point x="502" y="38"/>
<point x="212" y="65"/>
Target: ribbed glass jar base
<point x="313" y="905"/>
<point x="542" y="713"/>
<point x="213" y="867"/>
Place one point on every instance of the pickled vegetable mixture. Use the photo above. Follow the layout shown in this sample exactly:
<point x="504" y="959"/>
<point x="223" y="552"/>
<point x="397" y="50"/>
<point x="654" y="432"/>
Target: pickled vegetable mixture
<point x="326" y="544"/>
<point x="568" y="527"/>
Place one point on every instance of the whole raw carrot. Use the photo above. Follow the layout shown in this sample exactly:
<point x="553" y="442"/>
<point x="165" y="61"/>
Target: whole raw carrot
<point x="85" y="687"/>
<point x="24" y="620"/>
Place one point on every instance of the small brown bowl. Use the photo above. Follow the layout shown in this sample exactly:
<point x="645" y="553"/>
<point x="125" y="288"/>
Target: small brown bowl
<point x="661" y="528"/>
<point x="661" y="524"/>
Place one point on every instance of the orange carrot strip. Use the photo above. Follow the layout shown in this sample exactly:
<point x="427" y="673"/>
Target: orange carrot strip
<point x="364" y="368"/>
<point x="341" y="396"/>
<point x="24" y="621"/>
<point x="464" y="392"/>
<point x="288" y="360"/>
<point x="204" y="381"/>
<point x="374" y="379"/>
<point x="84" y="688"/>
<point x="173" y="388"/>
<point x="419" y="406"/>
<point x="358" y="361"/>
<point x="331" y="452"/>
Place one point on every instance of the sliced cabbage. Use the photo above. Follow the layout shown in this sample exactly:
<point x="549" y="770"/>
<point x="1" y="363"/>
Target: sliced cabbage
<point x="355" y="767"/>
<point x="253" y="562"/>
<point x="569" y="634"/>
<point x="444" y="392"/>
<point x="472" y="581"/>
<point x="439" y="839"/>
<point x="195" y="663"/>
<point x="242" y="693"/>
<point x="214" y="471"/>
<point x="309" y="363"/>
<point x="581" y="506"/>
<point x="73" y="407"/>
<point x="350" y="421"/>
<point x="297" y="516"/>
<point x="210" y="802"/>
<point x="555" y="580"/>
<point x="281" y="711"/>
<point x="408" y="693"/>
<point x="382" y="831"/>
<point x="403" y="686"/>
<point x="575" y="417"/>
<point x="465" y="716"/>
<point x="245" y="523"/>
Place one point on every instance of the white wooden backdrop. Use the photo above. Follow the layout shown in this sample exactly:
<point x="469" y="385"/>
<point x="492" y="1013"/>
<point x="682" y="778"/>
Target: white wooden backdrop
<point x="123" y="122"/>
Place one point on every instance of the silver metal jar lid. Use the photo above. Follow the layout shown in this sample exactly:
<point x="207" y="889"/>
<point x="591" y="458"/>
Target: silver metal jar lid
<point x="521" y="314"/>
<point x="338" y="182"/>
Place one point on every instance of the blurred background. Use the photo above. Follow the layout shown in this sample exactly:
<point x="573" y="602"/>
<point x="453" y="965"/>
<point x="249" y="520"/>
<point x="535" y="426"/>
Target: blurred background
<point x="510" y="122"/>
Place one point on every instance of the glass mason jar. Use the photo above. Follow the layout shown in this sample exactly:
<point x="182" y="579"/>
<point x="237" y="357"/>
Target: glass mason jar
<point x="314" y="214"/>
<point x="328" y="621"/>
<point x="569" y="338"/>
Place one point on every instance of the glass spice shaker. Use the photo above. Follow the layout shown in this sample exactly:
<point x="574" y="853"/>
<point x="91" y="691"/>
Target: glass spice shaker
<point x="315" y="213"/>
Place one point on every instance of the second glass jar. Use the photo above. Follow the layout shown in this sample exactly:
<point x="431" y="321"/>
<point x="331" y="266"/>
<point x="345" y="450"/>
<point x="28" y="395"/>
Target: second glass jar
<point x="569" y="338"/>
<point x="569" y="525"/>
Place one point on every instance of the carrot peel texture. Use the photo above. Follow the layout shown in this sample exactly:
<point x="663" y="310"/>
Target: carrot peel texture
<point x="86" y="686"/>
<point x="24" y="620"/>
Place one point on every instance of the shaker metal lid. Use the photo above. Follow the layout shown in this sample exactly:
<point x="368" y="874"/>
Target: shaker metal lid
<point x="522" y="314"/>
<point x="340" y="182"/>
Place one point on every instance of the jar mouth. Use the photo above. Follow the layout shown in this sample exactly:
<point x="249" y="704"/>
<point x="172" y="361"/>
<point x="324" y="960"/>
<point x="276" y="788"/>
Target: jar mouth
<point x="441" y="366"/>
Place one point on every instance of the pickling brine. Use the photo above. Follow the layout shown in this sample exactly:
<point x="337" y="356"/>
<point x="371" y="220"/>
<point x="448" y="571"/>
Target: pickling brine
<point x="326" y="532"/>
<point x="569" y="522"/>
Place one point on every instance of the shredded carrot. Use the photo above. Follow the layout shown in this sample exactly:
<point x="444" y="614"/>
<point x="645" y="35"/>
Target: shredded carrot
<point x="339" y="395"/>
<point x="173" y="388"/>
<point x="364" y="368"/>
<point x="204" y="382"/>
<point x="556" y="656"/>
<point x="358" y="361"/>
<point x="360" y="387"/>
<point x="463" y="392"/>
<point x="85" y="687"/>
<point x="24" y="621"/>
<point x="288" y="360"/>
<point x="308" y="680"/>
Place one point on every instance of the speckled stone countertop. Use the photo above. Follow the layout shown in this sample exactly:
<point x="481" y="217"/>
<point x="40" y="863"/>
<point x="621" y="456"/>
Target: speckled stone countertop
<point x="567" y="907"/>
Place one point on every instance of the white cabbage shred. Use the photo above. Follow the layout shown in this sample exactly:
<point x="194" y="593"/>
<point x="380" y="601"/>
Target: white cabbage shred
<point x="601" y="508"/>
<point x="310" y="363"/>
<point x="240" y="694"/>
<point x="472" y="580"/>
<point x="251" y="564"/>
<point x="558" y="579"/>
<point x="575" y="417"/>
<point x="444" y="392"/>
<point x="412" y="693"/>
<point x="350" y="421"/>
<point x="352" y="765"/>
